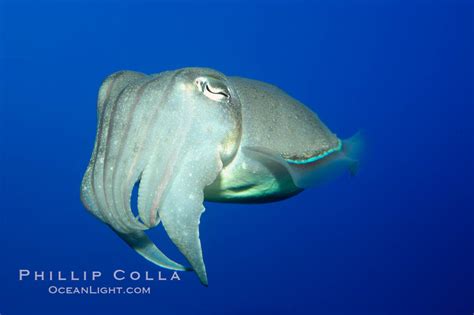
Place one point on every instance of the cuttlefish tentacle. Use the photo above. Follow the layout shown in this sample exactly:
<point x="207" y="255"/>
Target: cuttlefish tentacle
<point x="181" y="211"/>
<point x="133" y="156"/>
<point x="142" y="244"/>
<point x="117" y="130"/>
<point x="110" y="92"/>
<point x="170" y="132"/>
<point x="172" y="184"/>
<point x="102" y="193"/>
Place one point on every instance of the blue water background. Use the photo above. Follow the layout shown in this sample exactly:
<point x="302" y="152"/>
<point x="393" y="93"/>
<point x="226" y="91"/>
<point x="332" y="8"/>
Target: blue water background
<point x="396" y="239"/>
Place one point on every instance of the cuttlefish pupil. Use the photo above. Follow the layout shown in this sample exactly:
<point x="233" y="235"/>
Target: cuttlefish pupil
<point x="192" y="135"/>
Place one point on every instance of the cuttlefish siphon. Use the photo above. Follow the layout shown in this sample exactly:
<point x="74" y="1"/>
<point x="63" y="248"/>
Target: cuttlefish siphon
<point x="194" y="134"/>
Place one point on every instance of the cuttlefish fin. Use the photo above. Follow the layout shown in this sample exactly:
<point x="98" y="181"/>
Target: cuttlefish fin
<point x="353" y="148"/>
<point x="142" y="244"/>
<point x="305" y="175"/>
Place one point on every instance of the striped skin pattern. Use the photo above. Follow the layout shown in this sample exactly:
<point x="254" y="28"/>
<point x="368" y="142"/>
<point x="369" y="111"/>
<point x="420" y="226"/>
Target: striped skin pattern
<point x="162" y="131"/>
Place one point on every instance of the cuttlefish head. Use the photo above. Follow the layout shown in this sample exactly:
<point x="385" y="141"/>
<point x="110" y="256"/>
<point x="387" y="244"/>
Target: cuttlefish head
<point x="213" y="94"/>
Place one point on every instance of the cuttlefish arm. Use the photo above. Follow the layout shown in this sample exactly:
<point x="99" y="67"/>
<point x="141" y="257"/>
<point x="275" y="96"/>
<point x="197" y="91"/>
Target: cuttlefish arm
<point x="172" y="133"/>
<point x="103" y="197"/>
<point x="171" y="191"/>
<point x="142" y="244"/>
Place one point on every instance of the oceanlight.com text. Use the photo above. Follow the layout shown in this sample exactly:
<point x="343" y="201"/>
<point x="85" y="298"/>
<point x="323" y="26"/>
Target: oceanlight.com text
<point x="95" y="290"/>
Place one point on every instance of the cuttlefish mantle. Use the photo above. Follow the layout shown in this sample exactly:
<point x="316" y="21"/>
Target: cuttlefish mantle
<point x="192" y="135"/>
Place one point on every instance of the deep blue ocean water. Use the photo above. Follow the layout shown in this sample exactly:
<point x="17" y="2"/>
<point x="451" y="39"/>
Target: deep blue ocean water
<point x="396" y="239"/>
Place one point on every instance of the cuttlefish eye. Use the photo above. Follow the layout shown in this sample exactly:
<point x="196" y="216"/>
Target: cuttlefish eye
<point x="213" y="89"/>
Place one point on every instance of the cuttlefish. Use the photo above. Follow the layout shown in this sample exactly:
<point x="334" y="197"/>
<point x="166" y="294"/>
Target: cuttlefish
<point x="194" y="134"/>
